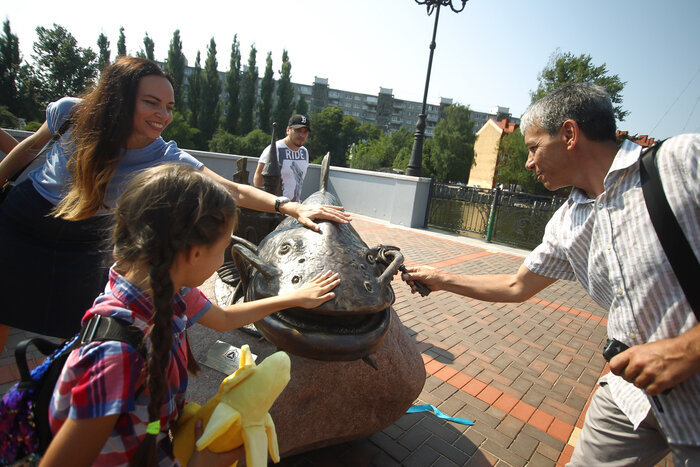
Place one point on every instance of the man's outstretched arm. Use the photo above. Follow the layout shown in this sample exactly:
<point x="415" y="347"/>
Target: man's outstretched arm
<point x="487" y="287"/>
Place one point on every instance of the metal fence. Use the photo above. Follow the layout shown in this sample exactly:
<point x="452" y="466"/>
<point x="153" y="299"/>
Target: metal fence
<point x="512" y="218"/>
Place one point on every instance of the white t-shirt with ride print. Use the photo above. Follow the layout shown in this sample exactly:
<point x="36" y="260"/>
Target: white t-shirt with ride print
<point x="293" y="166"/>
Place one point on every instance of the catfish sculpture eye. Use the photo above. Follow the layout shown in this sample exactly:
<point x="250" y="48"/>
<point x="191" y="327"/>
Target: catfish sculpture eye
<point x="284" y="249"/>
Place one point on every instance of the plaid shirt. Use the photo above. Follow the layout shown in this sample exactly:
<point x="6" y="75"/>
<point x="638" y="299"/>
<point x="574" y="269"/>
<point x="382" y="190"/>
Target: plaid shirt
<point x="609" y="245"/>
<point x="102" y="378"/>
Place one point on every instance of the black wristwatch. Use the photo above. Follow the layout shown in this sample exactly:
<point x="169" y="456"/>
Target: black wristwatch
<point x="280" y="201"/>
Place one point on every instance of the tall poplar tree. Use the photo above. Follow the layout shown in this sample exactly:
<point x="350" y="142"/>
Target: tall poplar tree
<point x="233" y="88"/>
<point x="249" y="97"/>
<point x="121" y="43"/>
<point x="267" y="88"/>
<point x="211" y="91"/>
<point x="148" y="46"/>
<point x="103" y="52"/>
<point x="193" y="90"/>
<point x="10" y="62"/>
<point x="285" y="93"/>
<point x="176" y="69"/>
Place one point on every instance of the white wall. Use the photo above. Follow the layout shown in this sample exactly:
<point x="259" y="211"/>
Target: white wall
<point x="397" y="199"/>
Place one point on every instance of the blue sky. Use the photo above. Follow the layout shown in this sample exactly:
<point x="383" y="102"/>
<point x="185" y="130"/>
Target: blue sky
<point x="489" y="54"/>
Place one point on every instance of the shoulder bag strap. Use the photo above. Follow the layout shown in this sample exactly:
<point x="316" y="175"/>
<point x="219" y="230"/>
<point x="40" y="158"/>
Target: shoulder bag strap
<point x="676" y="246"/>
<point x="46" y="147"/>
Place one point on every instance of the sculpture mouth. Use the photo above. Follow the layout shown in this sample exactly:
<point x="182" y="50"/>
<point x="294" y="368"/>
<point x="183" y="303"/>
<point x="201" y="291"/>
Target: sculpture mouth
<point x="322" y="337"/>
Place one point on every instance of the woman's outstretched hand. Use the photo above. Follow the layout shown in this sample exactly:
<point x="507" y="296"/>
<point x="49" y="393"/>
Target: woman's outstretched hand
<point x="306" y="214"/>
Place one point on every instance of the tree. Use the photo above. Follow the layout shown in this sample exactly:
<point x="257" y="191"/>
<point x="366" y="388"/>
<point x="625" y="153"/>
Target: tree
<point x="104" y="53"/>
<point x="250" y="145"/>
<point x="176" y="69"/>
<point x="285" y="93"/>
<point x="301" y="107"/>
<point x="10" y="61"/>
<point x="381" y="151"/>
<point x="254" y="142"/>
<point x="564" y="68"/>
<point x="249" y="96"/>
<point x="211" y="90"/>
<point x="179" y="130"/>
<point x="30" y="90"/>
<point x="450" y="153"/>
<point x="63" y="68"/>
<point x="233" y="88"/>
<point x="194" y="89"/>
<point x="148" y="46"/>
<point x="267" y="87"/>
<point x="224" y="142"/>
<point x="510" y="168"/>
<point x="121" y="43"/>
<point x="332" y="132"/>
<point x="7" y="118"/>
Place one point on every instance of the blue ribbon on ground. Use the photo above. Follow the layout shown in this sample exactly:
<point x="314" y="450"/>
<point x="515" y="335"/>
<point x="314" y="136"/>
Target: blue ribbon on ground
<point x="438" y="413"/>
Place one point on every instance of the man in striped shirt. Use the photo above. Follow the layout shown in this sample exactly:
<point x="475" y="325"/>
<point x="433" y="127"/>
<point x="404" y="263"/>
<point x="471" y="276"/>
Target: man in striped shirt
<point x="603" y="237"/>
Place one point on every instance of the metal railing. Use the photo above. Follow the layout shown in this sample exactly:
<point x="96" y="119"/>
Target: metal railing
<point x="512" y="218"/>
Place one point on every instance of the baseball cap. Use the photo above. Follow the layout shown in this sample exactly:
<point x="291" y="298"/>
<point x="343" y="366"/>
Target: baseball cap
<point x="299" y="121"/>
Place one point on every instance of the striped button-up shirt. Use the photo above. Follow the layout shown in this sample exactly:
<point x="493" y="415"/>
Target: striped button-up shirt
<point x="610" y="246"/>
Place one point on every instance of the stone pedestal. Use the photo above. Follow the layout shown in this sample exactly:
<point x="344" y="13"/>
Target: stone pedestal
<point x="325" y="403"/>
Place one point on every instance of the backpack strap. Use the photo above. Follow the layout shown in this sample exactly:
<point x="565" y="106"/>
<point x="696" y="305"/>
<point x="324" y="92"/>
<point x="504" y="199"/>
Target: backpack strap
<point x="105" y="328"/>
<point x="98" y="328"/>
<point x="675" y="244"/>
<point x="46" y="347"/>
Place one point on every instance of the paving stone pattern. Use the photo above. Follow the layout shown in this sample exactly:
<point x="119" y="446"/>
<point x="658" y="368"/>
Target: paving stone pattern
<point x="522" y="372"/>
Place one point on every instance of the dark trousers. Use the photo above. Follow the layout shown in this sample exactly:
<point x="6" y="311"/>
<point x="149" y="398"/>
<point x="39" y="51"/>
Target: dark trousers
<point x="51" y="269"/>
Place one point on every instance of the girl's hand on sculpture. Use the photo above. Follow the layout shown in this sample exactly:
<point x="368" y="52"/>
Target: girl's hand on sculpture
<point x="317" y="291"/>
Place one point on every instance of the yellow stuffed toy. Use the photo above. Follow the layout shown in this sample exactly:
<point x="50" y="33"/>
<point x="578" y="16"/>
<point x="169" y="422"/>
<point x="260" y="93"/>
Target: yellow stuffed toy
<point x="238" y="413"/>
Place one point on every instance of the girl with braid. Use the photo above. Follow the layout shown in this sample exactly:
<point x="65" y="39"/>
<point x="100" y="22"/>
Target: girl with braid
<point x="110" y="407"/>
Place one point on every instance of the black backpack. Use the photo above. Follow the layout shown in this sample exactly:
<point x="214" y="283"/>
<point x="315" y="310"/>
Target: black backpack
<point x="24" y="410"/>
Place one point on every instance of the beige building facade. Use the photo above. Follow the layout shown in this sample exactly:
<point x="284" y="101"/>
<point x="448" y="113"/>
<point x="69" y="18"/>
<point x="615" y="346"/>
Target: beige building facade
<point x="487" y="148"/>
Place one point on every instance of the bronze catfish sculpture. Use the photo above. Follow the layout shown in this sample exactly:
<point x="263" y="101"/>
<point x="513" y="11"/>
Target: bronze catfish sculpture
<point x="350" y="326"/>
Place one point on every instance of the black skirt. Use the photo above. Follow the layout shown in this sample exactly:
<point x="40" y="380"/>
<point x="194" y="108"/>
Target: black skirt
<point x="51" y="269"/>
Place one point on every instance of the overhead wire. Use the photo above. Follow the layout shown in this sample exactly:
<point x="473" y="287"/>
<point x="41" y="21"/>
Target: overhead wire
<point x="674" y="102"/>
<point x="691" y="113"/>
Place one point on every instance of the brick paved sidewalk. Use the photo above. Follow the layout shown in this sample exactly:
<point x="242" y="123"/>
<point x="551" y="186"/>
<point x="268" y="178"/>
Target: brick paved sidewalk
<point x="523" y="373"/>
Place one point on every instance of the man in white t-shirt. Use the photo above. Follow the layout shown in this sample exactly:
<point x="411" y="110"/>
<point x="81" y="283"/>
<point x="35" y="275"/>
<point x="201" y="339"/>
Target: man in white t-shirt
<point x="293" y="158"/>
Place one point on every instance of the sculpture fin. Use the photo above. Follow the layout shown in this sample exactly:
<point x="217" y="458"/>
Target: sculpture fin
<point x="325" y="170"/>
<point x="223" y="417"/>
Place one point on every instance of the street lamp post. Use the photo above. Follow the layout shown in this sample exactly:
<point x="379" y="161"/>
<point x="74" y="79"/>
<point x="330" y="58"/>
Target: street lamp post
<point x="414" y="165"/>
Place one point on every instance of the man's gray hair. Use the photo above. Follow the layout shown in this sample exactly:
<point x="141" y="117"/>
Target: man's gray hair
<point x="588" y="104"/>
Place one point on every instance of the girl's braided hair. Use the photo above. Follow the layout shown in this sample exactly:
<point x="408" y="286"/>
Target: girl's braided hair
<point x="166" y="210"/>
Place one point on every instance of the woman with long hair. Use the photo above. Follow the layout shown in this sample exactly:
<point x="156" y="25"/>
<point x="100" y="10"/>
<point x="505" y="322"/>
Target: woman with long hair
<point x="55" y="226"/>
